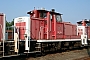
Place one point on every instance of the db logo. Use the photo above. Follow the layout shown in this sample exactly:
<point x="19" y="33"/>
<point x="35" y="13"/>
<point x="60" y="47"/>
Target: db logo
<point x="59" y="32"/>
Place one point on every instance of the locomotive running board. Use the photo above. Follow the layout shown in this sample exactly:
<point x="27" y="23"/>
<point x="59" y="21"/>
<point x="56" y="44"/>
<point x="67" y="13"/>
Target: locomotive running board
<point x="32" y="52"/>
<point x="59" y="40"/>
<point x="10" y="56"/>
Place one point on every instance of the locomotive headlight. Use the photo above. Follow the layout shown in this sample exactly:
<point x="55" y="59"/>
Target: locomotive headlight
<point x="84" y="36"/>
<point x="31" y="12"/>
<point x="25" y="35"/>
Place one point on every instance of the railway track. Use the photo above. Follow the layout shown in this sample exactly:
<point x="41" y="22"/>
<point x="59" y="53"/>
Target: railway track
<point x="59" y="55"/>
<point x="84" y="58"/>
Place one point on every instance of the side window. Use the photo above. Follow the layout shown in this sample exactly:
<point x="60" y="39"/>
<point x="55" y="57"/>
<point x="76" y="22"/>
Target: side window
<point x="58" y="18"/>
<point x="79" y="24"/>
<point x="88" y="24"/>
<point x="43" y="15"/>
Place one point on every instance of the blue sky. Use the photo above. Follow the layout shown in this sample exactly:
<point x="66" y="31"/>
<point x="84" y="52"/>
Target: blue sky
<point x="72" y="10"/>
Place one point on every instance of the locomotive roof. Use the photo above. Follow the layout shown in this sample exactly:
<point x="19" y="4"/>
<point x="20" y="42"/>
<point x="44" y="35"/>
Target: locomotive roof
<point x="52" y="12"/>
<point x="55" y="13"/>
<point x="80" y="22"/>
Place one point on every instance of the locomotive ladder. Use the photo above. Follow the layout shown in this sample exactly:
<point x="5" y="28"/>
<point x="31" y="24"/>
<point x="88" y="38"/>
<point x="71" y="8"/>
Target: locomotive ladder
<point x="1" y="49"/>
<point x="38" y="47"/>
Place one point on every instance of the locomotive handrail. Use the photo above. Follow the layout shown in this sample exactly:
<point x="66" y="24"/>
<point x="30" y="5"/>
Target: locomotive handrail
<point x="24" y="27"/>
<point x="24" y="34"/>
<point x="2" y="39"/>
<point x="40" y="32"/>
<point x="28" y="38"/>
<point x="38" y="18"/>
<point x="41" y="28"/>
<point x="18" y="40"/>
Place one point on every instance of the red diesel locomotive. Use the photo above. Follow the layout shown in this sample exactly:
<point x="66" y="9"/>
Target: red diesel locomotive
<point x="45" y="31"/>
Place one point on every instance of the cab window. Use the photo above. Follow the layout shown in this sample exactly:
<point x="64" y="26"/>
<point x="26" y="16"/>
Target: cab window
<point x="58" y="18"/>
<point x="79" y="24"/>
<point x="88" y="24"/>
<point x="43" y="15"/>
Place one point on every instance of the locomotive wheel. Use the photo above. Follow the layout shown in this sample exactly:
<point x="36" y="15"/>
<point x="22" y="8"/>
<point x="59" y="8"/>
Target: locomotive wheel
<point x="88" y="50"/>
<point x="70" y="45"/>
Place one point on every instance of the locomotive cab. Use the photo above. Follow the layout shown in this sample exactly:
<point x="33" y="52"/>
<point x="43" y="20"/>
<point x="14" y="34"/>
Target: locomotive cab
<point x="45" y="22"/>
